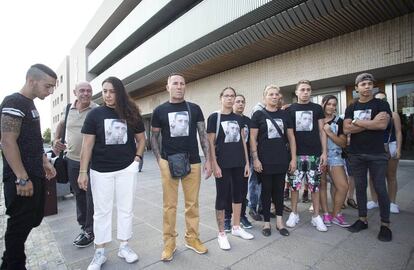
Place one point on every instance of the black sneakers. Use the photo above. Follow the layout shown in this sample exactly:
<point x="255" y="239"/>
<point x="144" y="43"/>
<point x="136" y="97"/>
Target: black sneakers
<point x="84" y="240"/>
<point x="255" y="215"/>
<point x="385" y="234"/>
<point x="358" y="225"/>
<point x="245" y="223"/>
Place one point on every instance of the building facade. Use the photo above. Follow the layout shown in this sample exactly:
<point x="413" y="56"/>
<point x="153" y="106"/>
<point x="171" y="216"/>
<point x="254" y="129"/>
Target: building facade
<point x="249" y="44"/>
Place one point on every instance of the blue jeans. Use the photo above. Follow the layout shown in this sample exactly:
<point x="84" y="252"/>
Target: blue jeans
<point x="255" y="190"/>
<point x="377" y="167"/>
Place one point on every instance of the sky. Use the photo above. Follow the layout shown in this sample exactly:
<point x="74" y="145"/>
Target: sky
<point x="38" y="31"/>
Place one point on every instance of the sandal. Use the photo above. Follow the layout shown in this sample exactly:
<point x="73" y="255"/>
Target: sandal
<point x="351" y="202"/>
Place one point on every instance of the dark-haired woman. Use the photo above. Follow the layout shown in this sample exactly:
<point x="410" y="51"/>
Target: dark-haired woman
<point x="271" y="156"/>
<point x="392" y="143"/>
<point x="336" y="164"/>
<point x="113" y="144"/>
<point x="230" y="164"/>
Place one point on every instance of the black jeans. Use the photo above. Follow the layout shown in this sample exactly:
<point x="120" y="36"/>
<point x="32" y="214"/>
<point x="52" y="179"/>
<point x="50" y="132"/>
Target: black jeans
<point x="24" y="213"/>
<point x="273" y="186"/>
<point x="84" y="201"/>
<point x="377" y="167"/>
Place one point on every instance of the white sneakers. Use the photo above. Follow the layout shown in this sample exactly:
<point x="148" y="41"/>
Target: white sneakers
<point x="371" y="205"/>
<point x="292" y="220"/>
<point x="318" y="223"/>
<point x="240" y="232"/>
<point x="223" y="241"/>
<point x="394" y="208"/>
<point x="236" y="231"/>
<point x="127" y="253"/>
<point x="97" y="261"/>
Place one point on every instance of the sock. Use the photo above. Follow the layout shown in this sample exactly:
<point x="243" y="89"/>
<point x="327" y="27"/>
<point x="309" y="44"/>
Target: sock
<point x="100" y="250"/>
<point x="123" y="244"/>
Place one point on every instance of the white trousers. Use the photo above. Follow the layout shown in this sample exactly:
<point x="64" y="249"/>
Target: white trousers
<point x="104" y="185"/>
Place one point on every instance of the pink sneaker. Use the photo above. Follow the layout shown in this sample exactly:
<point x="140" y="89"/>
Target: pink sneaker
<point x="327" y="219"/>
<point x="340" y="221"/>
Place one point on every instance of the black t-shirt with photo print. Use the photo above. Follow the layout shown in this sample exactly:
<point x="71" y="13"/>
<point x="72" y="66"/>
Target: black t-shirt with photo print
<point x="30" y="141"/>
<point x="176" y="133"/>
<point x="305" y="120"/>
<point x="271" y="146"/>
<point x="367" y="141"/>
<point x="229" y="143"/>
<point x="115" y="145"/>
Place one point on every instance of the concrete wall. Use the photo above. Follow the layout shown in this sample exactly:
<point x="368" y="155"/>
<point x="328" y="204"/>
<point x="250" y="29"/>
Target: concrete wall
<point x="378" y="46"/>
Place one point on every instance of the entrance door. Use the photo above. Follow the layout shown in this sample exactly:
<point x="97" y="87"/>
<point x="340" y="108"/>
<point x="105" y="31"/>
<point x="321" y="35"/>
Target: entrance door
<point x="404" y="97"/>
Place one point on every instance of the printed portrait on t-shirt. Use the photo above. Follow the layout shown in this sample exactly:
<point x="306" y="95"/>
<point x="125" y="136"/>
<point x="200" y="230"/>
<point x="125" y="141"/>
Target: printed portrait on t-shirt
<point x="271" y="129"/>
<point x="362" y="114"/>
<point x="178" y="122"/>
<point x="304" y="121"/>
<point x="245" y="131"/>
<point x="231" y="131"/>
<point x="115" y="131"/>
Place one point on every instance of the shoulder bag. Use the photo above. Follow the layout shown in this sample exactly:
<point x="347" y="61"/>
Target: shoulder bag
<point x="60" y="163"/>
<point x="179" y="164"/>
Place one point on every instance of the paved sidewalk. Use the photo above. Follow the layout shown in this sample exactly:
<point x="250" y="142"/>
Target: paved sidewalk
<point x="50" y="245"/>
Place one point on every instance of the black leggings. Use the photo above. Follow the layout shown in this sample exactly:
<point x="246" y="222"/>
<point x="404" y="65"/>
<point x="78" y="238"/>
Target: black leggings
<point x="273" y="186"/>
<point x="244" y="186"/>
<point x="229" y="188"/>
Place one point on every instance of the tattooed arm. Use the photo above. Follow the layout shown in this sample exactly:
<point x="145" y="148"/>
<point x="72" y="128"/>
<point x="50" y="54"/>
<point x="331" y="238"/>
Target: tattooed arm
<point x="155" y="142"/>
<point x="10" y="131"/>
<point x="201" y="128"/>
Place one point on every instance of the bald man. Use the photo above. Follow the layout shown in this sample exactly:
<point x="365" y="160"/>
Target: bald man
<point x="73" y="138"/>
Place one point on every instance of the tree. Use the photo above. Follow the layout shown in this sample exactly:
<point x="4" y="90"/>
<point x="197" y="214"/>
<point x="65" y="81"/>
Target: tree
<point x="47" y="135"/>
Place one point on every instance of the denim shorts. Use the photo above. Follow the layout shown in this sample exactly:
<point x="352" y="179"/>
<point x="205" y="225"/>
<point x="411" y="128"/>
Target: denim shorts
<point x="335" y="159"/>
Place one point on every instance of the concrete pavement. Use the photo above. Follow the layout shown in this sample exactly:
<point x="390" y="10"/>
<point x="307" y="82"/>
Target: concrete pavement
<point x="50" y="245"/>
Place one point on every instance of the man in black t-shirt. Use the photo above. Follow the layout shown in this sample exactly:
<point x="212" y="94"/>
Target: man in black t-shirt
<point x="366" y="119"/>
<point x="311" y="151"/>
<point x="25" y="166"/>
<point x="178" y="122"/>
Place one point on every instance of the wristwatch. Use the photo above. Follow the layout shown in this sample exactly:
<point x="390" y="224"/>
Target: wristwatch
<point x="21" y="182"/>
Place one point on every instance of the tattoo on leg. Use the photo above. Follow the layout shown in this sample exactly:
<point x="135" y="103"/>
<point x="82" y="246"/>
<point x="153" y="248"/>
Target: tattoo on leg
<point x="220" y="219"/>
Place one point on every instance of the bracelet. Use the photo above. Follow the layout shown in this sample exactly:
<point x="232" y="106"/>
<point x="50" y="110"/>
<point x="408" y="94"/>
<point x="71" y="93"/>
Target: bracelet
<point x="83" y="171"/>
<point x="140" y="157"/>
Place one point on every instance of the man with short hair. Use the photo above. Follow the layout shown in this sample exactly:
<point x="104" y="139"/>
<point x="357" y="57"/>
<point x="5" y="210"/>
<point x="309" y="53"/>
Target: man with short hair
<point x="73" y="138"/>
<point x="366" y="119"/>
<point x="25" y="165"/>
<point x="161" y="123"/>
<point x="311" y="144"/>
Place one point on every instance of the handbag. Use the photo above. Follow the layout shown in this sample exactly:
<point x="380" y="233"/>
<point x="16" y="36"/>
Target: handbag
<point x="391" y="147"/>
<point x="60" y="162"/>
<point x="179" y="163"/>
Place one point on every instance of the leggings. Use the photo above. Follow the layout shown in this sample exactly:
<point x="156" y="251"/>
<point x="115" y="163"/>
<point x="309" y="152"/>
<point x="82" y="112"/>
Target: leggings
<point x="273" y="186"/>
<point x="229" y="188"/>
<point x="244" y="186"/>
